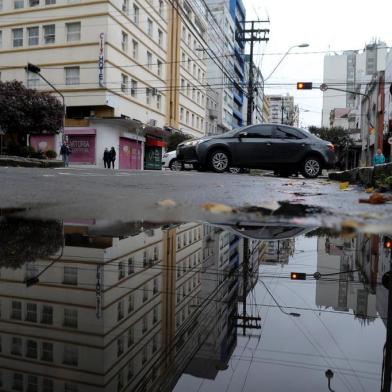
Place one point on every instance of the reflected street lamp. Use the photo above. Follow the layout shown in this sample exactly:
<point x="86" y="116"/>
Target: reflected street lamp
<point x="284" y="56"/>
<point x="329" y="375"/>
<point x="37" y="70"/>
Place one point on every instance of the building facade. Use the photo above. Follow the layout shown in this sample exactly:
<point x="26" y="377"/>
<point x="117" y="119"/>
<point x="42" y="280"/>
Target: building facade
<point x="282" y="110"/>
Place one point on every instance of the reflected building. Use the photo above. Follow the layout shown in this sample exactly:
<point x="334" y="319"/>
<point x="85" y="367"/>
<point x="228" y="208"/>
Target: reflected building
<point x="347" y="290"/>
<point x="118" y="313"/>
<point x="279" y="251"/>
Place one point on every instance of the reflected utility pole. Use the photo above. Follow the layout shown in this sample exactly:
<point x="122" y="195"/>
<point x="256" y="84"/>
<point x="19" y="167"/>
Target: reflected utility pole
<point x="387" y="368"/>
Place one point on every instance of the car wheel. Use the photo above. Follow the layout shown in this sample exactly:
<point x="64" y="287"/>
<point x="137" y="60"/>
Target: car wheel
<point x="235" y="170"/>
<point x="311" y="167"/>
<point x="175" y="165"/>
<point x="219" y="161"/>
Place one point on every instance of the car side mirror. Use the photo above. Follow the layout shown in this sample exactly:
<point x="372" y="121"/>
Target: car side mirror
<point x="242" y="134"/>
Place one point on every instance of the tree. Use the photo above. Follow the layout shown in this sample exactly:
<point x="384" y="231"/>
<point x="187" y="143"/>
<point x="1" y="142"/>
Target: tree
<point x="175" y="139"/>
<point x="338" y="136"/>
<point x="25" y="111"/>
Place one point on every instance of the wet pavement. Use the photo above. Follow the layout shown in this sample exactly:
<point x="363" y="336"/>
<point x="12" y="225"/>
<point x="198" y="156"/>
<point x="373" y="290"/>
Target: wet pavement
<point x="143" y="305"/>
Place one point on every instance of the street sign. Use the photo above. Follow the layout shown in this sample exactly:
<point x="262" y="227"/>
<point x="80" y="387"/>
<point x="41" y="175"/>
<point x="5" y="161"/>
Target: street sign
<point x="390" y="140"/>
<point x="324" y="87"/>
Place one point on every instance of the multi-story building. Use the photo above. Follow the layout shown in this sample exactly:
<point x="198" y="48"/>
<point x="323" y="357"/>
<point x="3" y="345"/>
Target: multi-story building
<point x="266" y="109"/>
<point x="279" y="251"/>
<point x="283" y="110"/>
<point x="211" y="118"/>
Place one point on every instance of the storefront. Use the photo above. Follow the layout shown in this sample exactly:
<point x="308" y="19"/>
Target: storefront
<point x="130" y="153"/>
<point x="153" y="154"/>
<point x="82" y="142"/>
<point x="43" y="142"/>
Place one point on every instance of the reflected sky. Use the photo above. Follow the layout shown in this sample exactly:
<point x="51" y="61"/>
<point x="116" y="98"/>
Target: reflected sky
<point x="89" y="306"/>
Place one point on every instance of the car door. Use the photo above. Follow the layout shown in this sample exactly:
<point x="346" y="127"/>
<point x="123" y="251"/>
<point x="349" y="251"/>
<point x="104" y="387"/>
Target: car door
<point x="288" y="145"/>
<point x="253" y="146"/>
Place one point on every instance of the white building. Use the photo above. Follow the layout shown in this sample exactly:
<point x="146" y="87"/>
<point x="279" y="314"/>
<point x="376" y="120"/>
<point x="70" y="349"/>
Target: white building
<point x="283" y="110"/>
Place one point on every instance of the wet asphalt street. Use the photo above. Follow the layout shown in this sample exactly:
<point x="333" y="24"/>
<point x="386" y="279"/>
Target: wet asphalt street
<point x="132" y="195"/>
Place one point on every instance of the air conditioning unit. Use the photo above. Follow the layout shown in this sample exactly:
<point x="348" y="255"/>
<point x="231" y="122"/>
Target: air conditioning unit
<point x="152" y="122"/>
<point x="154" y="91"/>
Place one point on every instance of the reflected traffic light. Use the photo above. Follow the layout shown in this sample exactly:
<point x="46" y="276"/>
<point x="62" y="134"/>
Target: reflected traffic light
<point x="298" y="276"/>
<point x="304" y="86"/>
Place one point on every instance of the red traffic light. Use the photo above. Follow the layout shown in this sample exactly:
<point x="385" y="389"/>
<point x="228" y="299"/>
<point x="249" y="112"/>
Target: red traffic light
<point x="304" y="86"/>
<point x="388" y="243"/>
<point x="298" y="276"/>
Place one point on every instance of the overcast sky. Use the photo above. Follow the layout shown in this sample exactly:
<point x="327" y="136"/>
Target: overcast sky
<point x="325" y="25"/>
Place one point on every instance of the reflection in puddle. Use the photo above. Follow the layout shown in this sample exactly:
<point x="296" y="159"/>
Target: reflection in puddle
<point x="189" y="307"/>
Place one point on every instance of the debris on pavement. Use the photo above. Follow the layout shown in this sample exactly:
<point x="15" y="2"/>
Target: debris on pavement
<point x="217" y="208"/>
<point x="376" y="198"/>
<point x="167" y="203"/>
<point x="343" y="186"/>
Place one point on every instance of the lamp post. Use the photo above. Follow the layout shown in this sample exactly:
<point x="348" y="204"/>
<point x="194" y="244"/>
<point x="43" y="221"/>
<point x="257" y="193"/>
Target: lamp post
<point x="37" y="70"/>
<point x="284" y="56"/>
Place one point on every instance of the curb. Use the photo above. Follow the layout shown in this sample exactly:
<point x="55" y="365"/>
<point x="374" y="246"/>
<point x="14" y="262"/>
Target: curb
<point x="29" y="162"/>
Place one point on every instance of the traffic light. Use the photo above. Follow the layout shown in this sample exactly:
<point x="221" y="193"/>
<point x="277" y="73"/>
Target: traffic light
<point x="304" y="85"/>
<point x="33" y="68"/>
<point x="387" y="242"/>
<point x="298" y="276"/>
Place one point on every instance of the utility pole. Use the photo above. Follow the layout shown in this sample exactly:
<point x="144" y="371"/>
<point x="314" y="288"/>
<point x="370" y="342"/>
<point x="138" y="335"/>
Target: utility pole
<point x="253" y="35"/>
<point x="282" y="109"/>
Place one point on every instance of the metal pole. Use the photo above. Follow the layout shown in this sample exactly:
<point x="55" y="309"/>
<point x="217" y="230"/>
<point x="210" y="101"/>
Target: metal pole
<point x="250" y="82"/>
<point x="386" y="382"/>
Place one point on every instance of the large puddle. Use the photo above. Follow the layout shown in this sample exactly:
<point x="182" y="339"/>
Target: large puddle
<point x="89" y="306"/>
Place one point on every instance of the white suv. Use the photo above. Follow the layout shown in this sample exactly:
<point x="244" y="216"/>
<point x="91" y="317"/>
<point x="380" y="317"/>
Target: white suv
<point x="169" y="161"/>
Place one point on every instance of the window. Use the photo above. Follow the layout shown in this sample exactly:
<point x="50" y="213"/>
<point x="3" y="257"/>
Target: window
<point x="49" y="34"/>
<point x="17" y="38"/>
<point x="130" y="370"/>
<point x="288" y="133"/>
<point x="50" y="2"/>
<point x="125" y="6"/>
<point x="131" y="337"/>
<point x="144" y="355"/>
<point x="18" y="4"/>
<point x="17" y="382"/>
<point x="16" y="346"/>
<point x="148" y="101"/>
<point x="159" y="99"/>
<point x="16" y="310"/>
<point x="149" y="60"/>
<point x="189" y="40"/>
<point x="156" y="284"/>
<point x="155" y="315"/>
<point x="160" y="38"/>
<point x="47" y="315"/>
<point x="135" y="49"/>
<point x="70" y="356"/>
<point x="32" y="82"/>
<point x="259" y="131"/>
<point x="193" y="120"/>
<point x="120" y="381"/>
<point x="131" y="303"/>
<point x="187" y="121"/>
<point x="47" y="352"/>
<point x="68" y="387"/>
<point x="145" y="253"/>
<point x="154" y="343"/>
<point x="121" y="266"/>
<point x="120" y="345"/>
<point x="131" y="267"/>
<point x="160" y="7"/>
<point x="159" y="68"/>
<point x="31" y="349"/>
<point x="188" y="88"/>
<point x="149" y="27"/>
<point x="135" y="14"/>
<point x="144" y="324"/>
<point x="1" y="39"/>
<point x="73" y="31"/>
<point x="31" y="313"/>
<point x="145" y="292"/>
<point x="194" y="70"/>
<point x="120" y="310"/>
<point x="33" y="35"/>
<point x="72" y="75"/>
<point x="131" y="264"/>
<point x="181" y="114"/>
<point x="33" y="3"/>
<point x="124" y="41"/>
<point x="70" y="276"/>
<point x="182" y="84"/>
<point x="47" y="385"/>
<point x="70" y="318"/>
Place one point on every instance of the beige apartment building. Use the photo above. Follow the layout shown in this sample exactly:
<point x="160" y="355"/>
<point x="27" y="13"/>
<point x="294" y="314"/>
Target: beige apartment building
<point x="129" y="71"/>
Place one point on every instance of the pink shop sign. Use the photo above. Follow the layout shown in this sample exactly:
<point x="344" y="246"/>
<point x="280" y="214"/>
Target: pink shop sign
<point x="82" y="148"/>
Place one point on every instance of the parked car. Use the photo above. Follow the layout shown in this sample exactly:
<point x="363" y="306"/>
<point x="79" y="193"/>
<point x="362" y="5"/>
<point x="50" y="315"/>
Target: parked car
<point x="281" y="148"/>
<point x="170" y="161"/>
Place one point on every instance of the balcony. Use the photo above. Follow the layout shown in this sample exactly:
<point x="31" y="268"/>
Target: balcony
<point x="237" y="114"/>
<point x="239" y="99"/>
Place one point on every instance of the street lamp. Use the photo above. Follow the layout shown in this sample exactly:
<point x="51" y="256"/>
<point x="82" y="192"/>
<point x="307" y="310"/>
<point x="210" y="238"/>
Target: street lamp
<point x="37" y="70"/>
<point x="284" y="56"/>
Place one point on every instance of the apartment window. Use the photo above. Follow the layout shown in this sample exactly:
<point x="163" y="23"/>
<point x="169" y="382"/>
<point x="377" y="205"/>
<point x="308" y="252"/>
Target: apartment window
<point x="182" y="84"/>
<point x="131" y="370"/>
<point x="49" y="34"/>
<point x="121" y="266"/>
<point x="136" y="14"/>
<point x="145" y="292"/>
<point x="131" y="336"/>
<point x="194" y="70"/>
<point x="120" y="381"/>
<point x="16" y="346"/>
<point x="149" y="27"/>
<point x="193" y="120"/>
<point x="198" y="97"/>
<point x="120" y="310"/>
<point x="120" y="345"/>
<point x="183" y="58"/>
<point x="145" y="253"/>
<point x="17" y="38"/>
<point x="70" y="356"/>
<point x="50" y="2"/>
<point x="72" y="75"/>
<point x="154" y="343"/>
<point x="1" y="39"/>
<point x="33" y="35"/>
<point x="32" y="82"/>
<point x="31" y="313"/>
<point x="144" y="324"/>
<point x="187" y="117"/>
<point x="125" y="6"/>
<point x="68" y="387"/>
<point x="47" y="352"/>
<point x="160" y="7"/>
<point x="33" y="3"/>
<point x="155" y="315"/>
<point x="31" y="349"/>
<point x="144" y="355"/>
<point x="16" y="310"/>
<point x="159" y="99"/>
<point x="188" y="88"/>
<point x="159" y="68"/>
<point x="70" y="318"/>
<point x="189" y="40"/>
<point x="17" y="382"/>
<point x="133" y="94"/>
<point x="47" y="385"/>
<point x="131" y="263"/>
<point x="181" y="114"/>
<point x="189" y="64"/>
<point x="70" y="275"/>
<point x="73" y="31"/>
<point x="197" y="122"/>
<point x="131" y="303"/>
<point x="47" y="315"/>
<point x="124" y="41"/>
<point x="155" y="289"/>
<point x="148" y="101"/>
<point x="193" y="93"/>
<point x="18" y="4"/>
<point x="160" y="38"/>
<point x="149" y="60"/>
<point x="135" y="49"/>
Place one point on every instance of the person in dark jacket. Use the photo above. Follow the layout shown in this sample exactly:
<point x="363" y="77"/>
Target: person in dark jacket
<point x="112" y="155"/>
<point x="106" y="158"/>
<point x="65" y="151"/>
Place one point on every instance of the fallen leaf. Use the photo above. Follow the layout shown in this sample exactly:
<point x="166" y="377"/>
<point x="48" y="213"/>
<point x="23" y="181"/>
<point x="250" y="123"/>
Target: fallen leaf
<point x="369" y="190"/>
<point x="351" y="224"/>
<point x="217" y="208"/>
<point x="344" y="185"/>
<point x="376" y="198"/>
<point x="167" y="203"/>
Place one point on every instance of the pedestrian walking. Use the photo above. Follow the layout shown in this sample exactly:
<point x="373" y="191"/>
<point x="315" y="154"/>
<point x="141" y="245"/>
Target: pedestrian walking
<point x="112" y="155"/>
<point x="106" y="158"/>
<point x="379" y="158"/>
<point x="65" y="152"/>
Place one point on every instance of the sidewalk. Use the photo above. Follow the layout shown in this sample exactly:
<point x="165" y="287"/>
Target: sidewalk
<point x="14" y="161"/>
